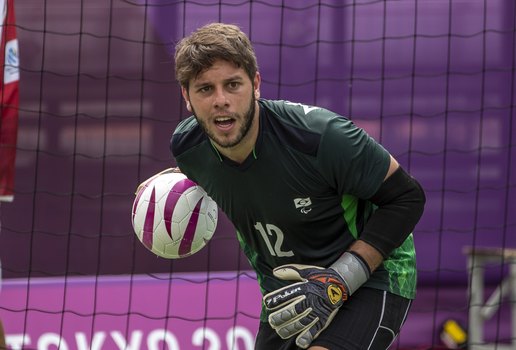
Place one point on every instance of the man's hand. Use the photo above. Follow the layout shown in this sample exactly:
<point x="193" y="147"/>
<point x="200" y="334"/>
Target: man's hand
<point x="306" y="307"/>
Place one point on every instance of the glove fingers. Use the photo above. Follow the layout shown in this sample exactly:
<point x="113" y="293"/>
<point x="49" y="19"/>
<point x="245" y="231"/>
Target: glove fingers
<point x="289" y="321"/>
<point x="305" y="308"/>
<point x="288" y="313"/>
<point x="294" y="326"/>
<point x="305" y="338"/>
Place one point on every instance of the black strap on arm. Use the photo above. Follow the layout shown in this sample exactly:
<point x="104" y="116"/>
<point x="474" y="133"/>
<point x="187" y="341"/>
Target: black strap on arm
<point x="400" y="200"/>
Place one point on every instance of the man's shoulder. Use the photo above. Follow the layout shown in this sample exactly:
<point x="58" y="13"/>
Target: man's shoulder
<point x="186" y="125"/>
<point x="188" y="134"/>
<point x="291" y="125"/>
<point x="301" y="115"/>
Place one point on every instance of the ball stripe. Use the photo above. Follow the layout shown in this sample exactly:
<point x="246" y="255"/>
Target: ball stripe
<point x="138" y="195"/>
<point x="148" y="226"/>
<point x="186" y="243"/>
<point x="172" y="199"/>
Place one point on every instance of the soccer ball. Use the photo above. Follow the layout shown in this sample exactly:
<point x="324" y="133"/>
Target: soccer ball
<point x="172" y="216"/>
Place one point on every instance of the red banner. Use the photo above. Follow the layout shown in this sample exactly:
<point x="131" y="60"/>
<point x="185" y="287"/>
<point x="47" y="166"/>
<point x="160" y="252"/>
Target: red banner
<point x="9" y="98"/>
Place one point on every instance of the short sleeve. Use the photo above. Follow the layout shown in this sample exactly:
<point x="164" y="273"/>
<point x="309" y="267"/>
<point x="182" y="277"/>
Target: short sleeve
<point x="351" y="160"/>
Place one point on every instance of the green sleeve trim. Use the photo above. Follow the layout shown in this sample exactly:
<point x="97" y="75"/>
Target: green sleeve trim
<point x="349" y="204"/>
<point x="252" y="256"/>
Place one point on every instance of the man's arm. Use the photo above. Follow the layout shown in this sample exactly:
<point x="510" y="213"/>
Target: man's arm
<point x="400" y="200"/>
<point x="296" y="309"/>
<point x="369" y="253"/>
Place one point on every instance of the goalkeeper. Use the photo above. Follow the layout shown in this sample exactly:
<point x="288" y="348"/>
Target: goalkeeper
<point x="322" y="211"/>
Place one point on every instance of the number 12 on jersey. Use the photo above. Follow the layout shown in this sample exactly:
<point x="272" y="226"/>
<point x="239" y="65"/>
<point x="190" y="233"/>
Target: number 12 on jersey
<point x="273" y="234"/>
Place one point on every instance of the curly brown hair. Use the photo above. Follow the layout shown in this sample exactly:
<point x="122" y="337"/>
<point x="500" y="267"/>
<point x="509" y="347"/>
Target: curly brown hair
<point x="198" y="51"/>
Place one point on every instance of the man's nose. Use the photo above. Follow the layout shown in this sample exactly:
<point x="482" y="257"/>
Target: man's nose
<point x="220" y="99"/>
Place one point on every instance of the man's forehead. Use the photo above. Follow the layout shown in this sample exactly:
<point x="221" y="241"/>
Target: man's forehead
<point x="223" y="71"/>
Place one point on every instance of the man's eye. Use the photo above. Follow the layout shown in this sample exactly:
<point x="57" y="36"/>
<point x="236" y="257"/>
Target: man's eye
<point x="234" y="85"/>
<point x="204" y="89"/>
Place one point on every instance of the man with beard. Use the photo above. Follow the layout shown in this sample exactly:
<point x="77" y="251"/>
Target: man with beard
<point x="322" y="211"/>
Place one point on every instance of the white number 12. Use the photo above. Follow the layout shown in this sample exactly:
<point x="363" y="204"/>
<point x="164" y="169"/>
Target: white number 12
<point x="274" y="232"/>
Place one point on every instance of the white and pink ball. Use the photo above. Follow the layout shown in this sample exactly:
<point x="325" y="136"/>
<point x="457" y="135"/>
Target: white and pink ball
<point x="173" y="217"/>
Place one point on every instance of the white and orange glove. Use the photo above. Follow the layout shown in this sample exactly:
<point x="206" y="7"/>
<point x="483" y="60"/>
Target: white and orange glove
<point x="307" y="307"/>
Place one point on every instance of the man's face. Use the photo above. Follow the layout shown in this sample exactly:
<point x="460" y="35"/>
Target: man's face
<point x="223" y="99"/>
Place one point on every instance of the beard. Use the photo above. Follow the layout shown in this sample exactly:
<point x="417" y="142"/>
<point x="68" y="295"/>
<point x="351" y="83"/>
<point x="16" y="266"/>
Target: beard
<point x="242" y="132"/>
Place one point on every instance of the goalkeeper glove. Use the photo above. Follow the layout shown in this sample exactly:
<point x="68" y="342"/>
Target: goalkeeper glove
<point x="307" y="307"/>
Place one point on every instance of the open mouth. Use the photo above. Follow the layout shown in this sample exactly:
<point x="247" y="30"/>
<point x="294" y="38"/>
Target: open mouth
<point x="224" y="122"/>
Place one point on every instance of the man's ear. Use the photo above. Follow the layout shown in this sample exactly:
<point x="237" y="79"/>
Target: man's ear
<point x="257" y="80"/>
<point x="184" y="92"/>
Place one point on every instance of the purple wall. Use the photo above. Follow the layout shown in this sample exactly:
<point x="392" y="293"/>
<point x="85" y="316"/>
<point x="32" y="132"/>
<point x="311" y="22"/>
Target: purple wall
<point x="433" y="82"/>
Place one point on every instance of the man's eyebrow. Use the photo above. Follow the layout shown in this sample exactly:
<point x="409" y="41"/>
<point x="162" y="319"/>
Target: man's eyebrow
<point x="233" y="78"/>
<point x="201" y="83"/>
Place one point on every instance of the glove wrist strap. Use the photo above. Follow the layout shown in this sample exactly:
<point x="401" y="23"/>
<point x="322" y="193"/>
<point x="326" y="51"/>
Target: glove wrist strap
<point x="353" y="270"/>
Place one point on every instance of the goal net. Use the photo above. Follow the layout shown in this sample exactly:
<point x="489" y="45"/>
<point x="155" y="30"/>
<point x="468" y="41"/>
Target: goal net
<point x="433" y="81"/>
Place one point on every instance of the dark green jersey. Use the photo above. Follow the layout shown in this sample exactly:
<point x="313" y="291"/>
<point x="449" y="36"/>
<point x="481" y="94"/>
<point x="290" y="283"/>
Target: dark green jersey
<point x="300" y="197"/>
